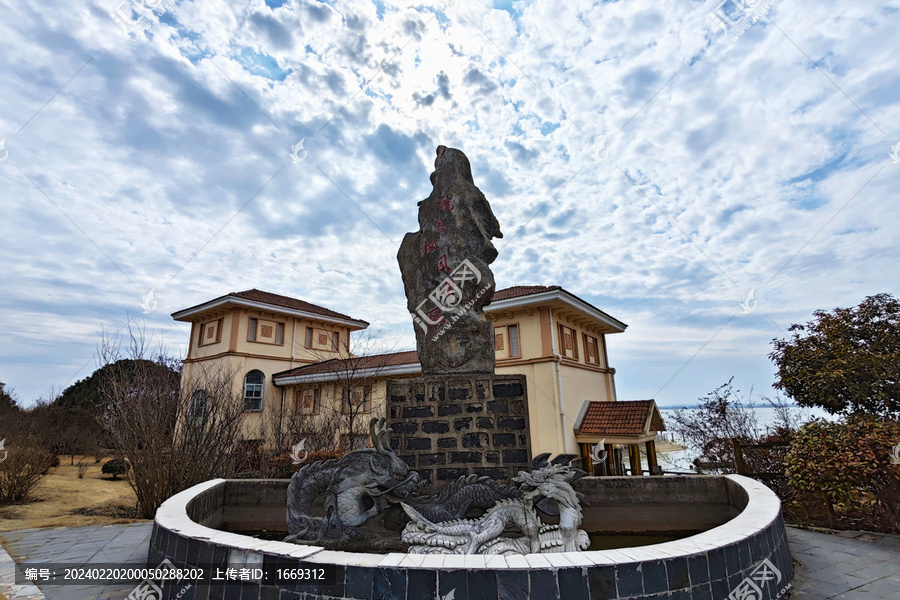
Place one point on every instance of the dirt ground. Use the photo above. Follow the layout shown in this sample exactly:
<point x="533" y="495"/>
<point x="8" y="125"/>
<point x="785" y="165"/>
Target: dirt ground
<point x="63" y="500"/>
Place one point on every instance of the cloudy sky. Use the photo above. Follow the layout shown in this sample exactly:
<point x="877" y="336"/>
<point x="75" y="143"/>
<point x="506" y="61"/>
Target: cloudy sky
<point x="651" y="158"/>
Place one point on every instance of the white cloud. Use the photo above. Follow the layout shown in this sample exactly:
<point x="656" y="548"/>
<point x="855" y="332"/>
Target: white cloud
<point x="744" y="153"/>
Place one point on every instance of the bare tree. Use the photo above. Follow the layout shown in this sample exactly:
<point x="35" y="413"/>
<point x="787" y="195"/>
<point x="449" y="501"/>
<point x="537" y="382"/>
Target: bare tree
<point x="174" y="435"/>
<point x="710" y="430"/>
<point x="354" y="389"/>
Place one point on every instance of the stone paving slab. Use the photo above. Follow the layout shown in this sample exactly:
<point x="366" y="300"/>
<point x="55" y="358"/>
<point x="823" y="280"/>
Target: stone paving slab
<point x="847" y="565"/>
<point x="113" y="544"/>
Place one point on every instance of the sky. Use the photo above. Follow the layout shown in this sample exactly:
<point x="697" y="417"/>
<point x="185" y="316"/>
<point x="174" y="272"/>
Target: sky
<point x="707" y="172"/>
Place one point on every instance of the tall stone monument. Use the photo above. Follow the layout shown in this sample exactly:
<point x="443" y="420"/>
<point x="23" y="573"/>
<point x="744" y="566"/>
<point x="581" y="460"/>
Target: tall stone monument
<point x="446" y="272"/>
<point x="458" y="418"/>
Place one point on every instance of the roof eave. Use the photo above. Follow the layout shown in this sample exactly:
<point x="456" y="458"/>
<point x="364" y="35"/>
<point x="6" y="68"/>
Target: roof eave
<point x="563" y="296"/>
<point x="184" y="315"/>
<point x="406" y="369"/>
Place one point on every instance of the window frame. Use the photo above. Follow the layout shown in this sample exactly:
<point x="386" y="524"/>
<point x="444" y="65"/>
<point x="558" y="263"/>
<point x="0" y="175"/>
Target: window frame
<point x="198" y="398"/>
<point x="365" y="406"/>
<point x="316" y="406"/>
<point x="595" y="342"/>
<point x="507" y="340"/>
<point x="562" y="329"/>
<point x="203" y="328"/>
<point x="262" y="391"/>
<point x="335" y="339"/>
<point x="253" y="331"/>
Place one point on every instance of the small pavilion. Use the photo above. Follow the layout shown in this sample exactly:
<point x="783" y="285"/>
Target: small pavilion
<point x="618" y="425"/>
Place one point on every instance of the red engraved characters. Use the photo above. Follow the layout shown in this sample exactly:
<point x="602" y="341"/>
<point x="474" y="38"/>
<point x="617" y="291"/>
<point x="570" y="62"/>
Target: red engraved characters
<point x="442" y="264"/>
<point x="445" y="204"/>
<point x="431" y="246"/>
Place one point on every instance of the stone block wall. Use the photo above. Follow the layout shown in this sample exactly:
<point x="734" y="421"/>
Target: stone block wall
<point x="448" y="426"/>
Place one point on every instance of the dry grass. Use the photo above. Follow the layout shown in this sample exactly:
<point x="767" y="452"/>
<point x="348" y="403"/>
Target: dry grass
<point x="63" y="500"/>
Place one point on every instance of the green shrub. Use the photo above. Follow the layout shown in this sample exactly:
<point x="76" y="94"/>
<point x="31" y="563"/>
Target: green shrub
<point x="848" y="467"/>
<point x="116" y="467"/>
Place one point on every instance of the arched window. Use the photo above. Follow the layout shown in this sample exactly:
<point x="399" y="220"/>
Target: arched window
<point x="197" y="409"/>
<point x="253" y="390"/>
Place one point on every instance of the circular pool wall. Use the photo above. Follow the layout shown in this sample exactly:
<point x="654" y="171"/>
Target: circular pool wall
<point x="741" y="517"/>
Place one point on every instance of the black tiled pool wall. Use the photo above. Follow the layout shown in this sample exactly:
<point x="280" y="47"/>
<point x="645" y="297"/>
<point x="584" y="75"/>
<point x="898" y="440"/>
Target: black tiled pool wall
<point x="709" y="575"/>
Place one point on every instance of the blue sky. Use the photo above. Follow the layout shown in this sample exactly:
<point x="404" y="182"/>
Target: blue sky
<point x="649" y="158"/>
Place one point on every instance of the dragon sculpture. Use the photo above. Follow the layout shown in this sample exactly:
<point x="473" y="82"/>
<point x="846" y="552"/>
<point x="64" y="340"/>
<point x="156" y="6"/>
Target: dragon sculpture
<point x="354" y="501"/>
<point x="512" y="525"/>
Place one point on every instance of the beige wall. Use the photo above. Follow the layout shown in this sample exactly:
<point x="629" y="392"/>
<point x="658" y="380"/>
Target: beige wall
<point x="538" y="340"/>
<point x="578" y="381"/>
<point x="235" y="353"/>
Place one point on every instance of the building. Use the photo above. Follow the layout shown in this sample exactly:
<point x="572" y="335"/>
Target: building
<point x="293" y="358"/>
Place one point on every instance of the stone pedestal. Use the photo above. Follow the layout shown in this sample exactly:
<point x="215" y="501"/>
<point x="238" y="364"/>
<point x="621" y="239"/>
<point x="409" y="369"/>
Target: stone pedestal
<point x="453" y="425"/>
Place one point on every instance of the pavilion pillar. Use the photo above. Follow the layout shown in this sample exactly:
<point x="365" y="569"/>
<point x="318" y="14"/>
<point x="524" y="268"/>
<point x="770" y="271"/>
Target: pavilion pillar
<point x="611" y="462"/>
<point x="652" y="463"/>
<point x="634" y="454"/>
<point x="587" y="462"/>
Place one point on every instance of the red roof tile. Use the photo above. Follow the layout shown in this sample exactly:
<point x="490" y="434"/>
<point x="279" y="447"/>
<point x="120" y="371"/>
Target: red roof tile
<point x="357" y="363"/>
<point x="620" y="418"/>
<point x="288" y="302"/>
<point x="523" y="290"/>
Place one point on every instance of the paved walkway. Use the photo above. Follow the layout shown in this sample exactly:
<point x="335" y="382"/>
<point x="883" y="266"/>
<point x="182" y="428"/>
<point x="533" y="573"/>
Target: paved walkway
<point x="110" y="544"/>
<point x="847" y="565"/>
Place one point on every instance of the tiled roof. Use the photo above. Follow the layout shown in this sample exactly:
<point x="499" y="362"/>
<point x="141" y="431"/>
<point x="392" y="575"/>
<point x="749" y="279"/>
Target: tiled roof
<point x="335" y="365"/>
<point x="523" y="290"/>
<point x="287" y="302"/>
<point x="620" y="418"/>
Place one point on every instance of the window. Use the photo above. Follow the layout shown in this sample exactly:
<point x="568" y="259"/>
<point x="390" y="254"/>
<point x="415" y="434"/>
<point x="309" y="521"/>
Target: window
<point x="265" y="332"/>
<point x="322" y="339"/>
<point x="506" y="342"/>
<point x="361" y="399"/>
<point x="513" y="333"/>
<point x="308" y="402"/>
<point x="253" y="390"/>
<point x="197" y="409"/>
<point x="591" y="350"/>
<point x="568" y="343"/>
<point x="211" y="333"/>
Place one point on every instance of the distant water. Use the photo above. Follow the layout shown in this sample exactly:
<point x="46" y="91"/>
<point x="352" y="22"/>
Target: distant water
<point x="681" y="460"/>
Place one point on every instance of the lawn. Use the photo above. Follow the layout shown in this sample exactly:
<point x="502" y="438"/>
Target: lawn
<point x="63" y="500"/>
